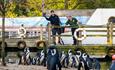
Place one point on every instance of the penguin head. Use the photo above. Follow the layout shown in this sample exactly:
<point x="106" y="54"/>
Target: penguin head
<point x="26" y="50"/>
<point x="69" y="51"/>
<point x="42" y="52"/>
<point x="94" y="59"/>
<point x="63" y="52"/>
<point x="78" y="53"/>
<point x="52" y="50"/>
<point x="84" y="55"/>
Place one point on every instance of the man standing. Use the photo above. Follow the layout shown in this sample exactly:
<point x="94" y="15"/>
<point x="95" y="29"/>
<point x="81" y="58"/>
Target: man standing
<point x="73" y="22"/>
<point x="55" y="22"/>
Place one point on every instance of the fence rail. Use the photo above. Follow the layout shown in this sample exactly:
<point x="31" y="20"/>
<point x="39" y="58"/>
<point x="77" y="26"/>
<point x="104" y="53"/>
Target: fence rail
<point x="107" y="29"/>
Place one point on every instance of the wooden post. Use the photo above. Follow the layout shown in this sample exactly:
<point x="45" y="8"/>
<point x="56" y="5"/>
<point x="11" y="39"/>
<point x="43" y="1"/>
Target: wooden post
<point x="80" y="35"/>
<point x="22" y="38"/>
<point x="110" y="33"/>
<point x="49" y="34"/>
<point x="41" y="32"/>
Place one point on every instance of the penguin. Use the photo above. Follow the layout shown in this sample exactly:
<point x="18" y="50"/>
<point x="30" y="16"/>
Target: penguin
<point x="34" y="61"/>
<point x="89" y="62"/>
<point x="27" y="57"/>
<point x="63" y="59"/>
<point x="53" y="61"/>
<point x="84" y="63"/>
<point x="70" y="58"/>
<point x="80" y="59"/>
<point x="78" y="55"/>
<point x="96" y="64"/>
<point x="42" y="57"/>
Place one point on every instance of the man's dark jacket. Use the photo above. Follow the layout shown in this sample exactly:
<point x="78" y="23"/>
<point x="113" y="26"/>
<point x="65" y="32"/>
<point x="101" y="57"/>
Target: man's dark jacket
<point x="54" y="20"/>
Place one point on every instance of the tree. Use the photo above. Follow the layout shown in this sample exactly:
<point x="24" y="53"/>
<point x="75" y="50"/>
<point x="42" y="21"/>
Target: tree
<point x="4" y="4"/>
<point x="28" y="8"/>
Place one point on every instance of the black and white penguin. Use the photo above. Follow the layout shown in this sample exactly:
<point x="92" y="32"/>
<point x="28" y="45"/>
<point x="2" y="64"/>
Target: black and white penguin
<point x="41" y="57"/>
<point x="63" y="59"/>
<point x="84" y="61"/>
<point x="70" y="58"/>
<point x="26" y="55"/>
<point x="53" y="60"/>
<point x="96" y="64"/>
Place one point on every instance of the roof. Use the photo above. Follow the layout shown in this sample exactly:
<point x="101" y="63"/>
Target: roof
<point x="101" y="16"/>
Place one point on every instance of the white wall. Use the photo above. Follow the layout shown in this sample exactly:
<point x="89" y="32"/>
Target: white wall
<point x="100" y="16"/>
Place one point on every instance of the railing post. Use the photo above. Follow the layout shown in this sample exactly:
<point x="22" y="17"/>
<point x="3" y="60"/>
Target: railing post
<point x="49" y="34"/>
<point x="79" y="41"/>
<point x="9" y="34"/>
<point x="80" y="35"/>
<point x="110" y="33"/>
<point x="41" y="32"/>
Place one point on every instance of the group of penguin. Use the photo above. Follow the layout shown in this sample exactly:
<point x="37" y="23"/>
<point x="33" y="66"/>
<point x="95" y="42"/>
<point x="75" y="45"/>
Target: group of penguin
<point x="27" y="59"/>
<point x="54" y="60"/>
<point x="80" y="60"/>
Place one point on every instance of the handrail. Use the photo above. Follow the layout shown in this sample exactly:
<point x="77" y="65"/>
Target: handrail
<point x="109" y="29"/>
<point x="97" y="35"/>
